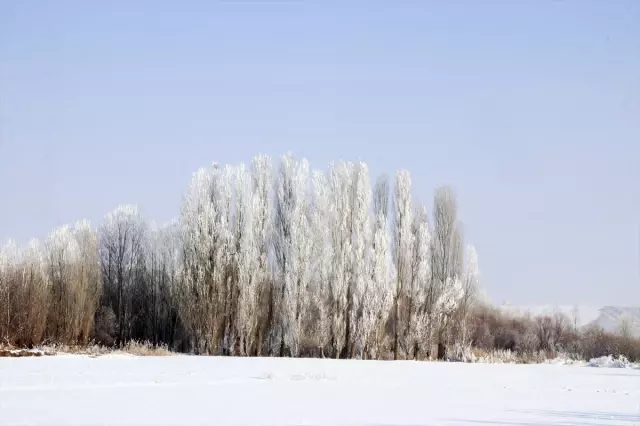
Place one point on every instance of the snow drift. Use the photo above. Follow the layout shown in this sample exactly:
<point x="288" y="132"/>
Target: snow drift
<point x="612" y="362"/>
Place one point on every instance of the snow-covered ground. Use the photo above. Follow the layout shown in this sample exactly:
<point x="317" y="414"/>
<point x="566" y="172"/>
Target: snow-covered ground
<point x="183" y="390"/>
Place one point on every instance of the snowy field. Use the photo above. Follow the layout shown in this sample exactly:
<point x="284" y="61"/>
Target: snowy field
<point x="183" y="390"/>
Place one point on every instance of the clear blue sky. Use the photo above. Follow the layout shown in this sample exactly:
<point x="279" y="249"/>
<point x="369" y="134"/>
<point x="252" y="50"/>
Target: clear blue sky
<point x="529" y="109"/>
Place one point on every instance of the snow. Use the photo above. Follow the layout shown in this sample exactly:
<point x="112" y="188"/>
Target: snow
<point x="184" y="390"/>
<point x="612" y="362"/>
<point x="560" y="360"/>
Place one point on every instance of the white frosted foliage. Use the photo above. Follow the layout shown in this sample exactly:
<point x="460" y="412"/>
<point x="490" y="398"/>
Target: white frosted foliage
<point x="361" y="237"/>
<point x="340" y="220"/>
<point x="292" y="241"/>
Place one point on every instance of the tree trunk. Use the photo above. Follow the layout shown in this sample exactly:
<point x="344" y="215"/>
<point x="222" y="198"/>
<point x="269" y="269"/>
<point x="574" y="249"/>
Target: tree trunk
<point x="395" y="329"/>
<point x="346" y="352"/>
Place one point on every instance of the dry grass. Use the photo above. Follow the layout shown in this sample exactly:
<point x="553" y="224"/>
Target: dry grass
<point x="93" y="350"/>
<point x="10" y="351"/>
<point x="509" y="357"/>
<point x="21" y="353"/>
<point x="146" y="349"/>
<point x="504" y="356"/>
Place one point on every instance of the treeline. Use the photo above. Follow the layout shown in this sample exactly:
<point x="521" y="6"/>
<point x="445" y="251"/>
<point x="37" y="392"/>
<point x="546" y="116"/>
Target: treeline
<point x="264" y="260"/>
<point x="277" y="260"/>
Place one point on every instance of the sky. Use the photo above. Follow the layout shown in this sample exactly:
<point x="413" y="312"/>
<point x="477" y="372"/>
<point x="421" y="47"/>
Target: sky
<point x="530" y="110"/>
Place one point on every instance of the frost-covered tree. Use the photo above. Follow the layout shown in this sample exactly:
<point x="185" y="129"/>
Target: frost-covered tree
<point x="88" y="278"/>
<point x="162" y="265"/>
<point x="472" y="273"/>
<point x="122" y="242"/>
<point x="207" y="236"/>
<point x="381" y="194"/>
<point x="262" y="225"/>
<point x="62" y="255"/>
<point x="319" y="292"/>
<point x="402" y="248"/>
<point x="24" y="294"/>
<point x="284" y="203"/>
<point x="171" y="261"/>
<point x="35" y="295"/>
<point x="447" y="303"/>
<point x="246" y="259"/>
<point x="292" y="248"/>
<point x="154" y="282"/>
<point x="63" y="258"/>
<point x="10" y="257"/>
<point x="417" y="292"/>
<point x="361" y="243"/>
<point x="229" y="301"/>
<point x="302" y="253"/>
<point x="340" y="181"/>
<point x="446" y="261"/>
<point x="446" y="248"/>
<point x="379" y="295"/>
<point x="469" y="295"/>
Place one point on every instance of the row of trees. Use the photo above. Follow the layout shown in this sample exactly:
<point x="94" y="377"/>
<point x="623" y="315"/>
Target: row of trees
<point x="263" y="260"/>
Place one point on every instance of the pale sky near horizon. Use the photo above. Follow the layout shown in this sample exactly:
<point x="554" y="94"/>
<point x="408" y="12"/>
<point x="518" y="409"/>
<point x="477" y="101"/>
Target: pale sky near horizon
<point x="530" y="110"/>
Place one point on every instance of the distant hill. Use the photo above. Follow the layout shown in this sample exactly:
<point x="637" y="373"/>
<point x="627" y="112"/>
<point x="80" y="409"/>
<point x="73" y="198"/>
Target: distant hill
<point x="609" y="318"/>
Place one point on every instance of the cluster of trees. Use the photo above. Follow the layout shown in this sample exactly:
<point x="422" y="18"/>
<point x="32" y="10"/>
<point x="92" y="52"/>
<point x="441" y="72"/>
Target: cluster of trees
<point x="544" y="336"/>
<point x="51" y="291"/>
<point x="264" y="260"/>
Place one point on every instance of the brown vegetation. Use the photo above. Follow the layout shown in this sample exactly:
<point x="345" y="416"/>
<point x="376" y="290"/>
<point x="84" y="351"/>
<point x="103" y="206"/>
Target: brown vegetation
<point x="544" y="337"/>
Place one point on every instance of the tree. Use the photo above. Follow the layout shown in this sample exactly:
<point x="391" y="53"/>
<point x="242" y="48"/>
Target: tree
<point x="445" y="250"/>
<point x="625" y="326"/>
<point x="381" y="193"/>
<point x="207" y="237"/>
<point x="162" y="263"/>
<point x="468" y="298"/>
<point x="246" y="258"/>
<point x="302" y="252"/>
<point x="320" y="292"/>
<point x="446" y="263"/>
<point x="88" y="280"/>
<point x="63" y="256"/>
<point x="339" y="224"/>
<point x="122" y="258"/>
<point x="171" y="261"/>
<point x="292" y="248"/>
<point x="417" y="317"/>
<point x="402" y="248"/>
<point x="35" y="295"/>
<point x="575" y="317"/>
<point x="360" y="274"/>
<point x="10" y="258"/>
<point x="261" y="223"/>
<point x="378" y="297"/>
